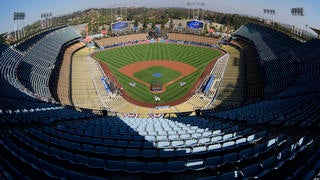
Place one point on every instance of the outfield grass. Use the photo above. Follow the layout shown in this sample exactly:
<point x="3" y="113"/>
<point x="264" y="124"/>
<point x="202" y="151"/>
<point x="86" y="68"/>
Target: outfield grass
<point x="117" y="58"/>
<point x="167" y="74"/>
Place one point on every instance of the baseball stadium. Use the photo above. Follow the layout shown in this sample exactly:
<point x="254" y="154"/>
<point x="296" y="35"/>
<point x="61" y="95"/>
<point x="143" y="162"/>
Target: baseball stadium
<point x="186" y="92"/>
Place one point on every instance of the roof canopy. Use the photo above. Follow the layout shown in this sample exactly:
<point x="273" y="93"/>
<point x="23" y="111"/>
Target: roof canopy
<point x="316" y="31"/>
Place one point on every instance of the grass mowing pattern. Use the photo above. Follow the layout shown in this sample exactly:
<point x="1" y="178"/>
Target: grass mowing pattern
<point x="198" y="57"/>
<point x="167" y="74"/>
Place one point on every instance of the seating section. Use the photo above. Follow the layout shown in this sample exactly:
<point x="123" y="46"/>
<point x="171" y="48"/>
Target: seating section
<point x="84" y="93"/>
<point x="109" y="146"/>
<point x="36" y="66"/>
<point x="113" y="41"/>
<point x="232" y="87"/>
<point x="192" y="38"/>
<point x="28" y="43"/>
<point x="309" y="74"/>
<point x="276" y="137"/>
<point x="9" y="60"/>
<point x="297" y="104"/>
<point x="63" y="79"/>
<point x="17" y="105"/>
<point x="301" y="110"/>
<point x="276" y="54"/>
<point x="254" y="78"/>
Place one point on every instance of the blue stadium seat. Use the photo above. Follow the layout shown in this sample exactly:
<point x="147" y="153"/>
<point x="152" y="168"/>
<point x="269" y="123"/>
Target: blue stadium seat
<point x="96" y="162"/>
<point x="176" y="166"/>
<point x="155" y="167"/>
<point x="114" y="165"/>
<point x="134" y="167"/>
<point x="214" y="161"/>
<point x="75" y="175"/>
<point x="195" y="164"/>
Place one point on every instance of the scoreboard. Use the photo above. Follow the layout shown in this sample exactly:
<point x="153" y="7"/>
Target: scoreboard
<point x="195" y="24"/>
<point x="119" y="26"/>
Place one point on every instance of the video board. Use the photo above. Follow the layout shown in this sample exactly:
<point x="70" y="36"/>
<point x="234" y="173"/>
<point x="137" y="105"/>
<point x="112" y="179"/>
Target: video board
<point x="119" y="26"/>
<point x="195" y="24"/>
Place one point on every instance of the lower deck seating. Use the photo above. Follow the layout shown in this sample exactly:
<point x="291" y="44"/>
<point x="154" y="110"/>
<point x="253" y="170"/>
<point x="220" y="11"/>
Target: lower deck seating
<point x="108" y="147"/>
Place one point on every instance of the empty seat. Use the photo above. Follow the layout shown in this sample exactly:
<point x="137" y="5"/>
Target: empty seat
<point x="75" y="175"/>
<point x="58" y="171"/>
<point x="133" y="152"/>
<point x="204" y="141"/>
<point x="182" y="151"/>
<point x="162" y="138"/>
<point x="88" y="147"/>
<point x="241" y="141"/>
<point x="195" y="164"/>
<point x="214" y="147"/>
<point x="44" y="165"/>
<point x="166" y="153"/>
<point x="199" y="150"/>
<point x="216" y="139"/>
<point x="227" y="136"/>
<point x="185" y="136"/>
<point x="230" y="175"/>
<point x="207" y="134"/>
<point x="269" y="162"/>
<point x="135" y="144"/>
<point x="209" y="178"/>
<point x="116" y="152"/>
<point x="176" y="166"/>
<point x="191" y="142"/>
<point x="80" y="159"/>
<point x="177" y="144"/>
<point x="134" y="167"/>
<point x="228" y="144"/>
<point x="245" y="153"/>
<point x="154" y="167"/>
<point x="230" y="157"/>
<point x="251" y="170"/>
<point x="95" y="178"/>
<point x="213" y="161"/>
<point x="148" y="145"/>
<point x="271" y="143"/>
<point x="96" y="162"/>
<point x="173" y="137"/>
<point x="122" y="143"/>
<point x="250" y="138"/>
<point x="102" y="150"/>
<point x="163" y="144"/>
<point x="149" y="153"/>
<point x="259" y="148"/>
<point x="114" y="165"/>
<point x="64" y="155"/>
<point x="267" y="165"/>
<point x="196" y="136"/>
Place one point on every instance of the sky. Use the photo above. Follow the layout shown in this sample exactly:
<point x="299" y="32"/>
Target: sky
<point x="34" y="8"/>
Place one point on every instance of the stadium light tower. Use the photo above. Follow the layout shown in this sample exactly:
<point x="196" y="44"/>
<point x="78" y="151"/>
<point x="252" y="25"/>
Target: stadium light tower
<point x="188" y="4"/>
<point x="46" y="20"/>
<point x="15" y="25"/>
<point x="18" y="24"/>
<point x="198" y="6"/>
<point x="202" y="5"/>
<point x="297" y="12"/>
<point x="270" y="13"/>
<point x="121" y="7"/>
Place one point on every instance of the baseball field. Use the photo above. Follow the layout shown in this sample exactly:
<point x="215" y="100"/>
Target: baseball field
<point x="178" y="68"/>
